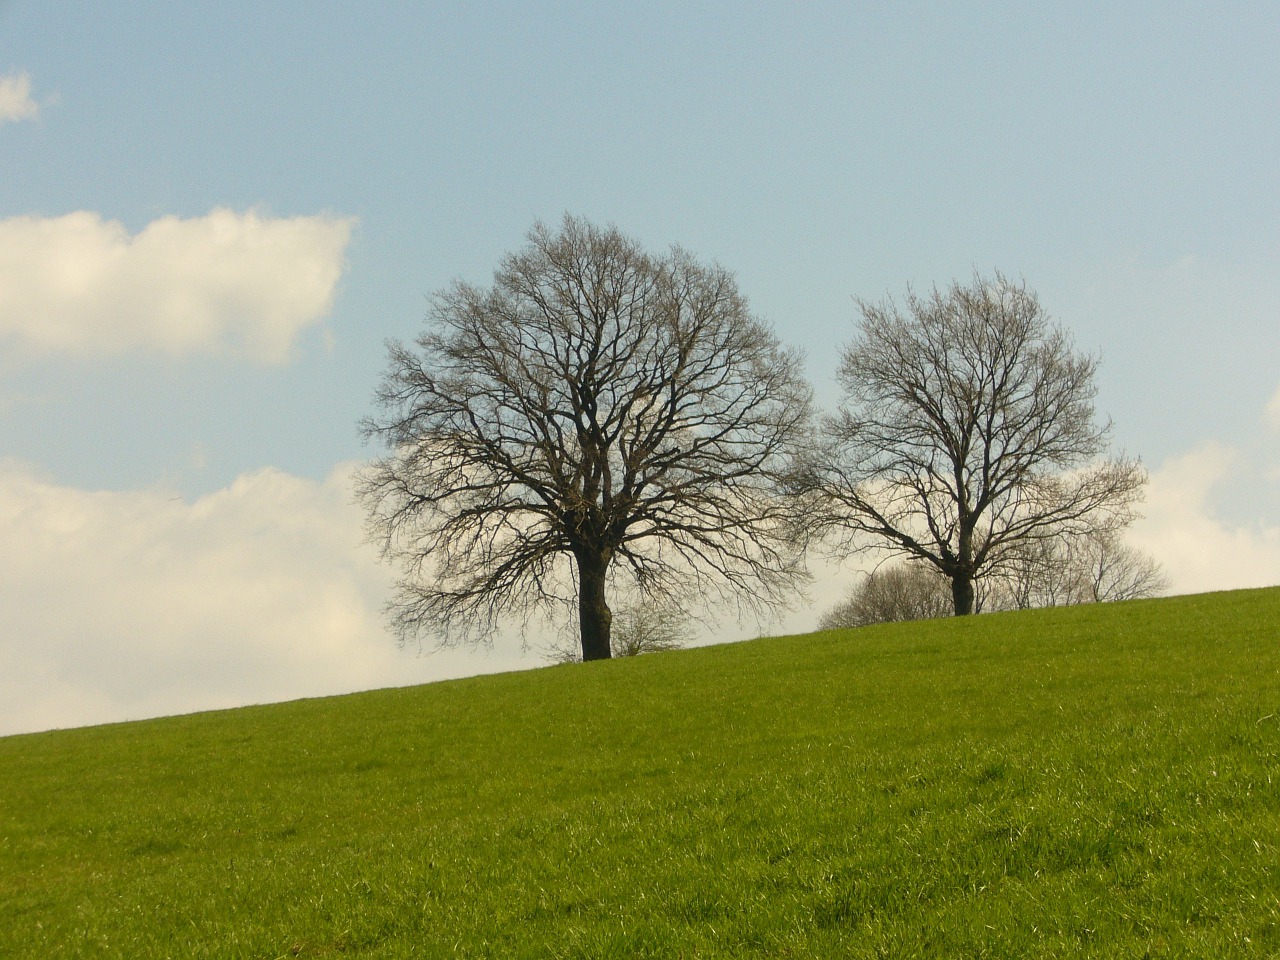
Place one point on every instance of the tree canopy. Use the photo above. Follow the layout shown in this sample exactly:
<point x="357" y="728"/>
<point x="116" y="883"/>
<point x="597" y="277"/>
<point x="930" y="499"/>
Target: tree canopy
<point x="967" y="430"/>
<point x="597" y="412"/>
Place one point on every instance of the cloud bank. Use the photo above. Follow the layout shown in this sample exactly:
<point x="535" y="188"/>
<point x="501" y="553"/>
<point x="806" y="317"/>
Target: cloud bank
<point x="130" y="604"/>
<point x="1199" y="550"/>
<point x="230" y="283"/>
<point x="124" y="605"/>
<point x="15" y="98"/>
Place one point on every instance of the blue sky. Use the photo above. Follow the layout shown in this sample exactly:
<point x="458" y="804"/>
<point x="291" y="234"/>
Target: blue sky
<point x="212" y="216"/>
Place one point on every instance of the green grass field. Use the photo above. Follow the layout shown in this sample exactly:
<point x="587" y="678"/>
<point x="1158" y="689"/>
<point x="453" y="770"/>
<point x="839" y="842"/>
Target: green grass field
<point x="1098" y="781"/>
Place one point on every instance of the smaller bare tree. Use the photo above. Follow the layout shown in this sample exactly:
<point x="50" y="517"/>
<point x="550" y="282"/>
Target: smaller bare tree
<point x="1034" y="574"/>
<point x="906" y="591"/>
<point x="967" y="432"/>
<point x="1110" y="569"/>
<point x="1096" y="568"/>
<point x="648" y="628"/>
<point x="638" y="628"/>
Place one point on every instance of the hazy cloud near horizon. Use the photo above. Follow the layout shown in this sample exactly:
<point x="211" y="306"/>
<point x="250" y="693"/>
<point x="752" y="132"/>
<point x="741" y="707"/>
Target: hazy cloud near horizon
<point x="130" y="604"/>
<point x="1273" y="410"/>
<point x="1200" y="550"/>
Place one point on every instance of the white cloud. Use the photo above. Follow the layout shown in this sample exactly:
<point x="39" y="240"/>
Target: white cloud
<point x="15" y="98"/>
<point x="1200" y="551"/>
<point x="122" y="605"/>
<point x="1273" y="410"/>
<point x="227" y="282"/>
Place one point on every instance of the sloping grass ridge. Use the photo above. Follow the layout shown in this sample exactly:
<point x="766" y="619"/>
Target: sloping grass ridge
<point x="1099" y="781"/>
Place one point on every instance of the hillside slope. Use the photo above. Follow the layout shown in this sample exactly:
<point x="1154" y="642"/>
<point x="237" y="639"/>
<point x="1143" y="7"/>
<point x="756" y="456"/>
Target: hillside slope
<point x="1093" y="781"/>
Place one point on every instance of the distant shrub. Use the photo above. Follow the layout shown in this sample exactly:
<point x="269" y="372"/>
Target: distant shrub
<point x="907" y="591"/>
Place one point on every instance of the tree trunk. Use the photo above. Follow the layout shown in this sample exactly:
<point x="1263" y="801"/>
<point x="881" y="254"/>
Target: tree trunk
<point x="962" y="593"/>
<point x="595" y="619"/>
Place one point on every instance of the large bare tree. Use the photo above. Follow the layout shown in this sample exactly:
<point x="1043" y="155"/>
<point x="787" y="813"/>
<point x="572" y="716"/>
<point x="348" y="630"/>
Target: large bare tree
<point x="967" y="431"/>
<point x="598" y="412"/>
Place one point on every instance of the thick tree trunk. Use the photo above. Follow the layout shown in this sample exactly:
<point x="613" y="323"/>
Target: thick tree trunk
<point x="595" y="619"/>
<point x="962" y="593"/>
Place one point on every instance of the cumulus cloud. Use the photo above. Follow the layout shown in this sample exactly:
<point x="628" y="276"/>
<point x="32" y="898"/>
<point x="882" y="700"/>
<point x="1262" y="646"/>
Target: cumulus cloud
<point x="15" y="98"/>
<point x="122" y="605"/>
<point x="228" y="282"/>
<point x="1200" y="551"/>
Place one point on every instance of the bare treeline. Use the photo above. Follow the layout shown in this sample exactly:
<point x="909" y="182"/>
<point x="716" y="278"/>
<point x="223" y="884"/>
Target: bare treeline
<point x="601" y="419"/>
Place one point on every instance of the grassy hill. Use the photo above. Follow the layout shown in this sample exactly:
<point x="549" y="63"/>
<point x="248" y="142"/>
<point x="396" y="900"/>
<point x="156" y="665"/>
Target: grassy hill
<point x="1097" y="781"/>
